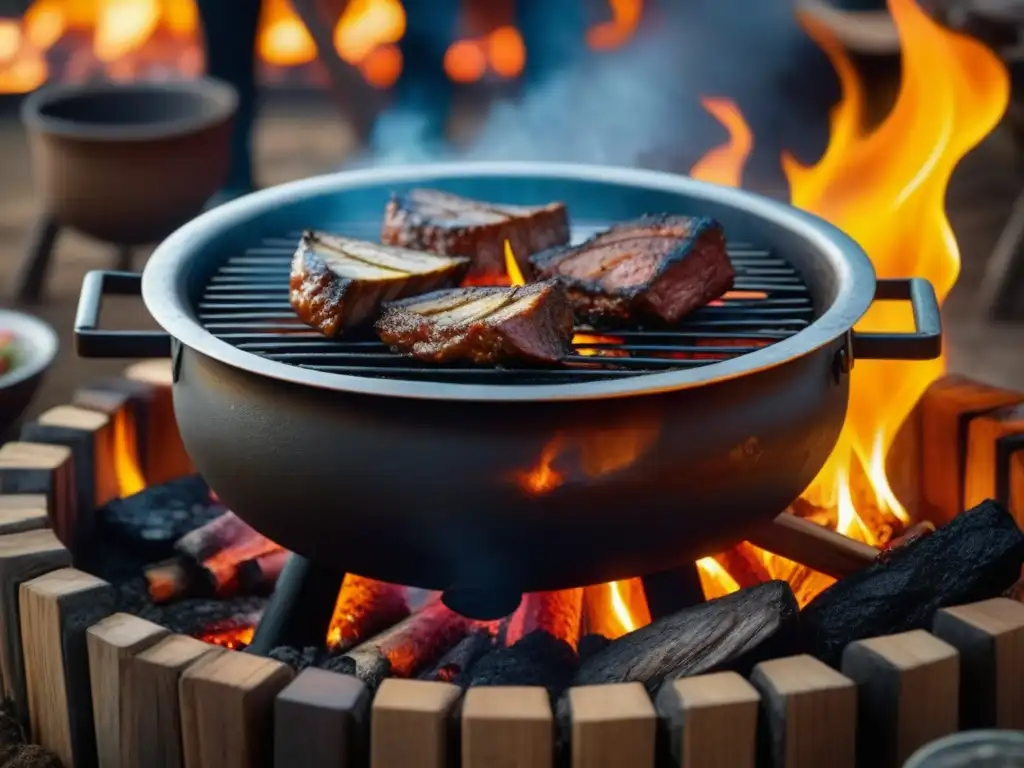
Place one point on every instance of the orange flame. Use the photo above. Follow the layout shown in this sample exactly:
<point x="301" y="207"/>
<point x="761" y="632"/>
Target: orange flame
<point x="886" y="188"/>
<point x="130" y="479"/>
<point x="724" y="164"/>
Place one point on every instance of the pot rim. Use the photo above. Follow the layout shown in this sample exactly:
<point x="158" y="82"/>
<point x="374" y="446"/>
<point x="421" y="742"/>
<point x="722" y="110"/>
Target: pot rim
<point x="165" y="283"/>
<point x="221" y="98"/>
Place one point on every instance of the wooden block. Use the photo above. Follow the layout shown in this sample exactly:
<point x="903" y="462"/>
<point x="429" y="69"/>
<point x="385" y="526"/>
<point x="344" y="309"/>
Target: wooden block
<point x="166" y="458"/>
<point x="804" y="541"/>
<point x="23" y="557"/>
<point x="90" y="437"/>
<point x="990" y="638"/>
<point x="983" y="436"/>
<point x="111" y="643"/>
<point x="321" y="719"/>
<point x="947" y="408"/>
<point x="711" y="721"/>
<point x="410" y="723"/>
<point x="1015" y="485"/>
<point x="908" y="693"/>
<point x="150" y="709"/>
<point x="613" y="726"/>
<point x="227" y="710"/>
<point x="22" y="512"/>
<point x="810" y="713"/>
<point x="56" y="610"/>
<point x="35" y="468"/>
<point x="507" y="727"/>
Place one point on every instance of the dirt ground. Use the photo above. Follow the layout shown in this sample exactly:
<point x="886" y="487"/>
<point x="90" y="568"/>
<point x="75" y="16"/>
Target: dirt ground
<point x="300" y="141"/>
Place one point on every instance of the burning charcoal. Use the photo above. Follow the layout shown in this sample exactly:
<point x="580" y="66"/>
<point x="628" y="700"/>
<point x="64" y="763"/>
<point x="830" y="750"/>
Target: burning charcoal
<point x="734" y="632"/>
<point x="168" y="580"/>
<point x="558" y="613"/>
<point x="975" y="557"/>
<point x="657" y="267"/>
<point x="297" y="658"/>
<point x="338" y="283"/>
<point x="591" y="645"/>
<point x="227" y="530"/>
<point x="456" y="666"/>
<point x="443" y="223"/>
<point x="220" y="571"/>
<point x="519" y="325"/>
<point x="160" y="515"/>
<point x="537" y="659"/>
<point x="405" y="648"/>
<point x="365" y="607"/>
<point x="260" y="573"/>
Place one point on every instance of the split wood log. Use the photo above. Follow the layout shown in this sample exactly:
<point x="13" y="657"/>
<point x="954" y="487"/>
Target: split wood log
<point x="111" y="644"/>
<point x="813" y="545"/>
<point x="320" y="719"/>
<point x="1015" y="484"/>
<point x="23" y="557"/>
<point x="975" y="557"/>
<point x="984" y="436"/>
<point x="559" y="613"/>
<point x="410" y="724"/>
<point x="457" y="664"/>
<point x="150" y="707"/>
<point x="672" y="590"/>
<point x="711" y="721"/>
<point x="411" y="644"/>
<point x="908" y="692"/>
<point x="507" y="727"/>
<point x="734" y="632"/>
<point x="810" y="713"/>
<point x="166" y="457"/>
<point x="223" y="532"/>
<point x="56" y="610"/>
<point x="990" y="638"/>
<point x="22" y="512"/>
<point x="364" y="607"/>
<point x="612" y="726"/>
<point x="1010" y="475"/>
<point x="42" y="469"/>
<point x="227" y="710"/>
<point x="260" y="574"/>
<point x="90" y="437"/>
<point x="947" y="408"/>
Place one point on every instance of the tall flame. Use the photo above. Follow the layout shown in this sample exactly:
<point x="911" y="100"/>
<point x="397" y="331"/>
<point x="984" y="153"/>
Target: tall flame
<point x="886" y="188"/>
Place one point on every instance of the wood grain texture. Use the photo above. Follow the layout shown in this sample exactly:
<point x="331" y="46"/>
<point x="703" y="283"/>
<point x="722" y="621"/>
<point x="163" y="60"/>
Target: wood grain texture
<point x="947" y="408"/>
<point x="56" y="610"/>
<point x="1015" y="490"/>
<point x="165" y="455"/>
<point x="810" y="713"/>
<point x="23" y="512"/>
<point x="908" y="690"/>
<point x="227" y="710"/>
<point x="36" y="468"/>
<point x="111" y="643"/>
<point x="981" y="465"/>
<point x="410" y="723"/>
<point x="613" y="726"/>
<point x="710" y="721"/>
<point x="150" y="708"/>
<point x="804" y="541"/>
<point x="321" y="719"/>
<point x="23" y="557"/>
<point x="990" y="638"/>
<point x="507" y="727"/>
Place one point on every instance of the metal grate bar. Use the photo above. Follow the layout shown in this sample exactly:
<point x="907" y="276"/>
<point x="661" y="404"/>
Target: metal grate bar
<point x="245" y="303"/>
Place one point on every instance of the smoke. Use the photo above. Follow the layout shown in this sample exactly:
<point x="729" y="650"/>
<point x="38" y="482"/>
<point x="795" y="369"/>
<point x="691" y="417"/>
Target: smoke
<point x="639" y="106"/>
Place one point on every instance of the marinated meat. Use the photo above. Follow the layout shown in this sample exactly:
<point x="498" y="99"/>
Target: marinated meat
<point x="657" y="267"/>
<point x="527" y="324"/>
<point x="338" y="283"/>
<point x="443" y="223"/>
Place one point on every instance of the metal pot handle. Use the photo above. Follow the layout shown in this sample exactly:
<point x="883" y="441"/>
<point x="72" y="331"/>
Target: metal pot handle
<point x="90" y="341"/>
<point x="925" y="343"/>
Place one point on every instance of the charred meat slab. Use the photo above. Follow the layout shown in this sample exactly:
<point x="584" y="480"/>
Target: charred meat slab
<point x="657" y="267"/>
<point x="338" y="283"/>
<point x="529" y="324"/>
<point x="443" y="223"/>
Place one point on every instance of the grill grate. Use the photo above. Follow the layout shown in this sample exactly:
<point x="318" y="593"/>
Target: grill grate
<point x="245" y="303"/>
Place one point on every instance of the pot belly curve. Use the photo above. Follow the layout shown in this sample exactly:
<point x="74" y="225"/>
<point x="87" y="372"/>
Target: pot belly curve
<point x="528" y="496"/>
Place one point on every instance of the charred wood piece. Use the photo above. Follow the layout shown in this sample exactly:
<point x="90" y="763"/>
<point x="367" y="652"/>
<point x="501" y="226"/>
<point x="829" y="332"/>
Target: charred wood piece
<point x="457" y="665"/>
<point x="364" y="608"/>
<point x="734" y="632"/>
<point x="261" y="573"/>
<point x="227" y="530"/>
<point x="538" y="659"/>
<point x="975" y="557"/>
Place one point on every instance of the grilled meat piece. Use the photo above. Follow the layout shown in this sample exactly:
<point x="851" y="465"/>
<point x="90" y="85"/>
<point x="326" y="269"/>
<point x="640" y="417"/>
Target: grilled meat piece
<point x="338" y="283"/>
<point x="527" y="324"/>
<point x="443" y="223"/>
<point x="659" y="267"/>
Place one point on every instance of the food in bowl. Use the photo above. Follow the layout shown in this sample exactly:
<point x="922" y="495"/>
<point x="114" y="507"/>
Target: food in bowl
<point x="8" y="352"/>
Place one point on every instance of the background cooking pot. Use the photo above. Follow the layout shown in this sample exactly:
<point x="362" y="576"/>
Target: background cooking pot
<point x="422" y="482"/>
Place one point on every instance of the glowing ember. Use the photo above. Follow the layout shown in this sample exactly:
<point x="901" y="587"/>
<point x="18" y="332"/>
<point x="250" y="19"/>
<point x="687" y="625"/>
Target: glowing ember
<point x="233" y="638"/>
<point x="126" y="461"/>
